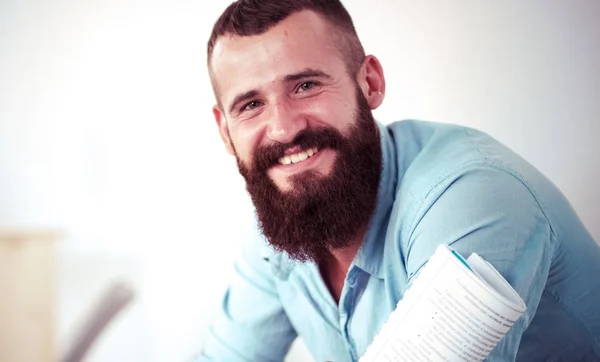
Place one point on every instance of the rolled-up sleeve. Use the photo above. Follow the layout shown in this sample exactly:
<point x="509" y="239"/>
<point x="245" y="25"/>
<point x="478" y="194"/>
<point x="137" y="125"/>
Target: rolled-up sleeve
<point x="493" y="213"/>
<point x="250" y="324"/>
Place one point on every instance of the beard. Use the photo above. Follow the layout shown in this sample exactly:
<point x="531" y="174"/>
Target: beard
<point x="320" y="213"/>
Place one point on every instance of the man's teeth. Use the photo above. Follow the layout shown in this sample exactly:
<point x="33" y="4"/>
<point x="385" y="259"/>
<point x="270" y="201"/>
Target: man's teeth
<point x="298" y="157"/>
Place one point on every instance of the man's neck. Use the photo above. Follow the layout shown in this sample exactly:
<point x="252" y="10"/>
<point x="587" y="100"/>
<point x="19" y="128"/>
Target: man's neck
<point x="334" y="268"/>
<point x="345" y="256"/>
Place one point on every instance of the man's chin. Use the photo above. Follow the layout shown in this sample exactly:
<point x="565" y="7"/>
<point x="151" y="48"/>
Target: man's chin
<point x="302" y="184"/>
<point x="283" y="184"/>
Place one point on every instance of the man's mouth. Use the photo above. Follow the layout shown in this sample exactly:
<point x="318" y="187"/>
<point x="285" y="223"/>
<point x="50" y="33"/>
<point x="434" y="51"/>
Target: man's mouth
<point x="298" y="157"/>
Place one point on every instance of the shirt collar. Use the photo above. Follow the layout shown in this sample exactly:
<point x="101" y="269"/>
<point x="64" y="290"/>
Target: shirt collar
<point x="370" y="255"/>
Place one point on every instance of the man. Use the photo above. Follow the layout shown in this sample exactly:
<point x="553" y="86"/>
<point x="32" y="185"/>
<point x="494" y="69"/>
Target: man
<point x="349" y="210"/>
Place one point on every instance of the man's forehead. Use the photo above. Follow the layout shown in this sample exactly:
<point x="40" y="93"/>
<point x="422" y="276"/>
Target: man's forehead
<point x="297" y="42"/>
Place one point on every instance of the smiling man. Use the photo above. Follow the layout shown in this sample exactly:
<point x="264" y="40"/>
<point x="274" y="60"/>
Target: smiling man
<point x="348" y="210"/>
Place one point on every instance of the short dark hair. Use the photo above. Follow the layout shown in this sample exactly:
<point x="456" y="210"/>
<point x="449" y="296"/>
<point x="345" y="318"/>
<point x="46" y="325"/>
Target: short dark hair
<point x="253" y="17"/>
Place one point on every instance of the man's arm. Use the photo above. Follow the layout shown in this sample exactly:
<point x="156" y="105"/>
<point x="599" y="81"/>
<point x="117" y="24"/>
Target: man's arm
<point x="251" y="324"/>
<point x="491" y="212"/>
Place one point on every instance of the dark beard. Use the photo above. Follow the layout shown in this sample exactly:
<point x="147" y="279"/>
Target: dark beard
<point x="320" y="213"/>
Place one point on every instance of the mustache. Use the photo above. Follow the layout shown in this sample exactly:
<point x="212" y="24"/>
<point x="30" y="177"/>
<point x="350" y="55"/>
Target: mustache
<point x="269" y="155"/>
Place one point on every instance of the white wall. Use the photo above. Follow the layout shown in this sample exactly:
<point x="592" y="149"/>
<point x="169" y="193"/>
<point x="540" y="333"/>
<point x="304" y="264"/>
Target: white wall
<point x="106" y="131"/>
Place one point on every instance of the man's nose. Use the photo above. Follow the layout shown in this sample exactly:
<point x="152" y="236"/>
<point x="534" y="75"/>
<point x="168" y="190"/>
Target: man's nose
<point x="285" y="122"/>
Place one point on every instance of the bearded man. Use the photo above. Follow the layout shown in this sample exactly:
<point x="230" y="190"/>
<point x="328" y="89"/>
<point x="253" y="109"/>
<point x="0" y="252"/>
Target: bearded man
<point x="348" y="210"/>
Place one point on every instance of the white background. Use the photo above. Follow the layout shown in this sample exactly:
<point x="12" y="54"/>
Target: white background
<point x="106" y="132"/>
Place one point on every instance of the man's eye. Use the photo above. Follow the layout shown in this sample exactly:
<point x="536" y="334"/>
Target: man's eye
<point x="250" y="106"/>
<point x="306" y="86"/>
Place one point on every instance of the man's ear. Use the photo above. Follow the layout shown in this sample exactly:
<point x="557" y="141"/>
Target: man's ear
<point x="223" y="129"/>
<point x="371" y="81"/>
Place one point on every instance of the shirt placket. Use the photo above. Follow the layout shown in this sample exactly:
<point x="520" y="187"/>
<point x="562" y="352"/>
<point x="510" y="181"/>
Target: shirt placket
<point x="345" y="309"/>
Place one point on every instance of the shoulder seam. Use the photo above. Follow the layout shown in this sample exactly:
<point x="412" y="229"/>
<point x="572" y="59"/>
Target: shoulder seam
<point x="489" y="164"/>
<point x="502" y="167"/>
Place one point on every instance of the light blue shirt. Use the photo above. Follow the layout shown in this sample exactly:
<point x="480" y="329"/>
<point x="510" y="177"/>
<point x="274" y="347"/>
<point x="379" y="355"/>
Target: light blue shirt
<point x="440" y="184"/>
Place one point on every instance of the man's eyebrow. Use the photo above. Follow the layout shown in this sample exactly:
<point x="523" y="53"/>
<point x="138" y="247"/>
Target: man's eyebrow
<point x="242" y="97"/>
<point x="306" y="73"/>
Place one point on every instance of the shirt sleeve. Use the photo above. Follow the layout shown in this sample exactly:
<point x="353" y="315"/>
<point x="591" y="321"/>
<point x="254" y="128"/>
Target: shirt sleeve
<point x="250" y="324"/>
<point x="491" y="212"/>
